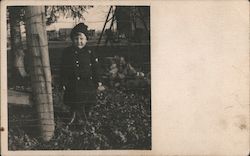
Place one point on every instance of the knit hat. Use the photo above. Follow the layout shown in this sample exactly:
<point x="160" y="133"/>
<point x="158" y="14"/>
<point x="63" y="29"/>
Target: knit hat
<point x="82" y="28"/>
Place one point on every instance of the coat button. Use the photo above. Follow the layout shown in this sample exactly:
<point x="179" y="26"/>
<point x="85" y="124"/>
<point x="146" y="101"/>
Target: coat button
<point x="96" y="59"/>
<point x="91" y="78"/>
<point x="78" y="78"/>
<point x="77" y="65"/>
<point x="77" y="62"/>
<point x="90" y="64"/>
<point x="76" y="52"/>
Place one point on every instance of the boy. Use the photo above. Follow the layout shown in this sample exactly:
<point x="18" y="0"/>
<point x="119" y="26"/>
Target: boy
<point x="79" y="74"/>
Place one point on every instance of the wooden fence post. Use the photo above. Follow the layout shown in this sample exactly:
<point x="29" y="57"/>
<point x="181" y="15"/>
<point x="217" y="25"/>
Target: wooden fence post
<point x="40" y="69"/>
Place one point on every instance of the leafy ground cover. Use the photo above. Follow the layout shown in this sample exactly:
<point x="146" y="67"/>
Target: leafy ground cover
<point x="121" y="119"/>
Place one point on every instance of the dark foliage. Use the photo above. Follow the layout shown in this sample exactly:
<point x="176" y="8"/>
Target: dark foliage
<point x="121" y="119"/>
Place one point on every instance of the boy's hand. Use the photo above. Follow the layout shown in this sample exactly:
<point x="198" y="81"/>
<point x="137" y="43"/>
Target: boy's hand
<point x="100" y="87"/>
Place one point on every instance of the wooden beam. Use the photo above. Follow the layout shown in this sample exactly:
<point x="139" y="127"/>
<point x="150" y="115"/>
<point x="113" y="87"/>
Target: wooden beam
<point x="19" y="98"/>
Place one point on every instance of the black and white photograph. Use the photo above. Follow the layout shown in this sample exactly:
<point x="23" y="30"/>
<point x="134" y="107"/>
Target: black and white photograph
<point x="78" y="77"/>
<point x="124" y="78"/>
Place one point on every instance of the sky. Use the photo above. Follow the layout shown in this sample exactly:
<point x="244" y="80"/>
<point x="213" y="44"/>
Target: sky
<point x="94" y="18"/>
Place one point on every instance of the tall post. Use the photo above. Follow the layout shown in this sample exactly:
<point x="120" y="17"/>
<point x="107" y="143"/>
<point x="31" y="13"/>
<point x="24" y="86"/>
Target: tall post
<point x="40" y="69"/>
<point x="103" y="29"/>
<point x="142" y="19"/>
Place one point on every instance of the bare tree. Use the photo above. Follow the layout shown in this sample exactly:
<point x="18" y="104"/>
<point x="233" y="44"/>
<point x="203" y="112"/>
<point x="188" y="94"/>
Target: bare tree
<point x="75" y="12"/>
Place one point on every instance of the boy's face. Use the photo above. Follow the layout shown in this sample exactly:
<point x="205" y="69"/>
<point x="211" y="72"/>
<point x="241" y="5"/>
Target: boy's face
<point x="79" y="40"/>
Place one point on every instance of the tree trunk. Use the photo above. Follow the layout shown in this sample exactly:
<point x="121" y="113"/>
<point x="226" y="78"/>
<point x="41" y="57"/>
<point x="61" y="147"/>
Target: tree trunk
<point x="17" y="52"/>
<point x="40" y="69"/>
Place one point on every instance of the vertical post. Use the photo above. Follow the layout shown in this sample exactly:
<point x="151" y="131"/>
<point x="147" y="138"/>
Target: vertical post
<point x="40" y="74"/>
<point x="110" y="33"/>
<point x="142" y="18"/>
<point x="113" y="18"/>
<point x="103" y="29"/>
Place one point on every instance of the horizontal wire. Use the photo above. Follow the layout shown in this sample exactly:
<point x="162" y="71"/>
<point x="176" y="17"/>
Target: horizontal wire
<point x="38" y="125"/>
<point x="57" y="119"/>
<point x="97" y="21"/>
<point x="30" y="120"/>
<point x="40" y="14"/>
<point x="23" y="122"/>
<point x="91" y="92"/>
<point x="62" y="66"/>
<point x="34" y="46"/>
<point x="51" y="112"/>
<point x="34" y="92"/>
<point x="39" y="81"/>
<point x="109" y="87"/>
<point x="33" y="125"/>
<point x="102" y="75"/>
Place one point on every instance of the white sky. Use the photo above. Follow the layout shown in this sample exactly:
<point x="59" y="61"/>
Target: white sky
<point x="95" y="19"/>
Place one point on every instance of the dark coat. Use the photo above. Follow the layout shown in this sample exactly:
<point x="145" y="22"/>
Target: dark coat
<point x="79" y="75"/>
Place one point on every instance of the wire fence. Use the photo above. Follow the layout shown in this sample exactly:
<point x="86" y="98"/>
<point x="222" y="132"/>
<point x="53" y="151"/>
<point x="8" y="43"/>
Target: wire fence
<point x="121" y="114"/>
<point x="138" y="89"/>
<point x="119" y="118"/>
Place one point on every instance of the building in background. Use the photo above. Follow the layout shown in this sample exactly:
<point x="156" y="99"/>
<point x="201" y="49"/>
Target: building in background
<point x="52" y="35"/>
<point x="64" y="34"/>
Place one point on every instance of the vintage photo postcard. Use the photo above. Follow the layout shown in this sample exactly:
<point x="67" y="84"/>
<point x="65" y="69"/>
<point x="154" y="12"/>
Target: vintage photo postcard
<point x="124" y="77"/>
